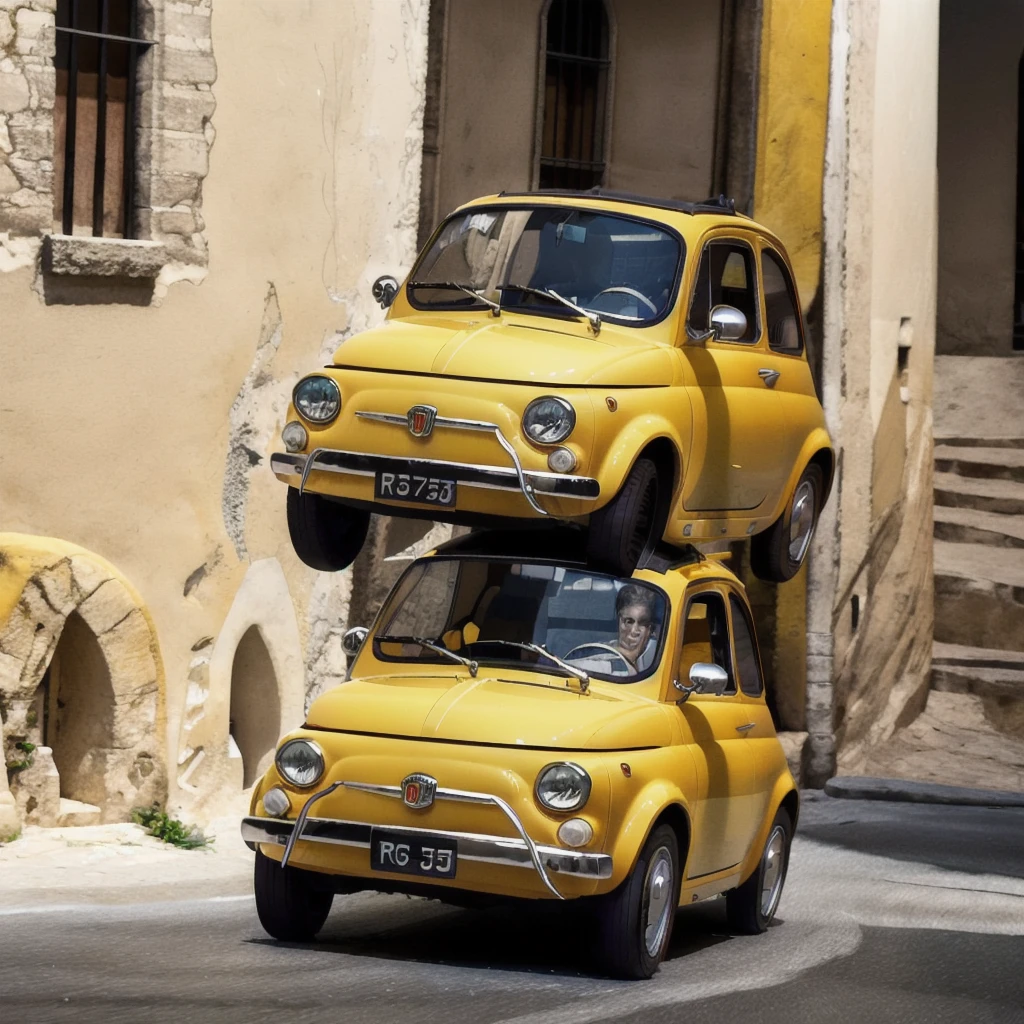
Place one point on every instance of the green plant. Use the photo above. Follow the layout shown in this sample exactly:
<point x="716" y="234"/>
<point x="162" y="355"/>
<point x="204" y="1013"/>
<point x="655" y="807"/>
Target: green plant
<point x="31" y="718"/>
<point x="25" y="746"/>
<point x="9" y="837"/>
<point x="158" y="823"/>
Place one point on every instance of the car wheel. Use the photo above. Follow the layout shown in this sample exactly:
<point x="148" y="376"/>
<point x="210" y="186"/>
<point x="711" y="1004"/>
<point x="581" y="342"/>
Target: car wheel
<point x="325" y="534"/>
<point x="751" y="907"/>
<point x="778" y="553"/>
<point x="289" y="904"/>
<point x="634" y="923"/>
<point x="630" y="525"/>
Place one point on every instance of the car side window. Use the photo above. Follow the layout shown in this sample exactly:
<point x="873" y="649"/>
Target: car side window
<point x="726" y="276"/>
<point x="706" y="637"/>
<point x="747" y="663"/>
<point x="780" y="306"/>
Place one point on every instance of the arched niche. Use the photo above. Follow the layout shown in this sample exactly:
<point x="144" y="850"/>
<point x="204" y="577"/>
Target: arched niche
<point x="255" y="711"/>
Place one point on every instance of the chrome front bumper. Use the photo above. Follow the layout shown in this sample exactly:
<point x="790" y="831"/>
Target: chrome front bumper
<point x="487" y="849"/>
<point x="514" y="478"/>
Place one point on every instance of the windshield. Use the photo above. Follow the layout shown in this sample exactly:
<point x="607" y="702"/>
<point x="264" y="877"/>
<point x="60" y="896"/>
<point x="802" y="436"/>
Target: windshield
<point x="484" y="610"/>
<point x="620" y="268"/>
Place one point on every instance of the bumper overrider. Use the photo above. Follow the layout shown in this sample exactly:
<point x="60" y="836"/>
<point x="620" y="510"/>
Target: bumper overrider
<point x="500" y="850"/>
<point x="529" y="483"/>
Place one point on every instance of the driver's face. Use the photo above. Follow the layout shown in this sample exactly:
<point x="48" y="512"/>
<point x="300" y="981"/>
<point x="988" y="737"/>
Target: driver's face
<point x="634" y="630"/>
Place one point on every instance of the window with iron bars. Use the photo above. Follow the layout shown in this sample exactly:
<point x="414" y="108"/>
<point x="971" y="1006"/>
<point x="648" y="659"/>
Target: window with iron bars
<point x="98" y="50"/>
<point x="575" y="95"/>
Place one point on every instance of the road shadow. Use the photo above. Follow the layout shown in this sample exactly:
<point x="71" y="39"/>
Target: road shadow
<point x="541" y="938"/>
<point x="974" y="840"/>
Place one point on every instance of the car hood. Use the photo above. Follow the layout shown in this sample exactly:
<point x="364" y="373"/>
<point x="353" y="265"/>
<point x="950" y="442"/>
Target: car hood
<point x="498" y="711"/>
<point x="526" y="349"/>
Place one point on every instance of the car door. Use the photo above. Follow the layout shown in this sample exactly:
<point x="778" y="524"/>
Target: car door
<point x="786" y="359"/>
<point x="756" y="725"/>
<point x="710" y="725"/>
<point x="739" y="464"/>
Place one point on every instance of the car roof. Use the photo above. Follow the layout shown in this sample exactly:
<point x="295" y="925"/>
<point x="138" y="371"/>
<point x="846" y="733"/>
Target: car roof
<point x="566" y="546"/>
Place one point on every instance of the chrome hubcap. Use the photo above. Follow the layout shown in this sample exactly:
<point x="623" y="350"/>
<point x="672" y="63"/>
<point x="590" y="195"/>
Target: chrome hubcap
<point x="773" y="863"/>
<point x="801" y="522"/>
<point x="658" y="888"/>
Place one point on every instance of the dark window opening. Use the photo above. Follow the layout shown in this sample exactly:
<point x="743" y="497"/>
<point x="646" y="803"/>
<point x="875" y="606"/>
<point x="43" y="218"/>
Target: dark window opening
<point x="1018" y="292"/>
<point x="780" y="306"/>
<point x="747" y="661"/>
<point x="575" y="95"/>
<point x="98" y="50"/>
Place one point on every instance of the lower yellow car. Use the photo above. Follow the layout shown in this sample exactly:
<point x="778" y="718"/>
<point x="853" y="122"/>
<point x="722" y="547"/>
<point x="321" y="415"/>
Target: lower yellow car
<point x="519" y="725"/>
<point x="637" y="367"/>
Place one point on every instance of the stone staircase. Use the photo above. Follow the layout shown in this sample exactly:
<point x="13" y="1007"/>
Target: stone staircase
<point x="979" y="531"/>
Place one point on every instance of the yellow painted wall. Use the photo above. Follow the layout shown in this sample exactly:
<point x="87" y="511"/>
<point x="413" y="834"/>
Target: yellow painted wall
<point x="792" y="118"/>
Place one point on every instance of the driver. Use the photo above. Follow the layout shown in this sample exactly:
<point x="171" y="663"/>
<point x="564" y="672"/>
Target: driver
<point x="635" y="610"/>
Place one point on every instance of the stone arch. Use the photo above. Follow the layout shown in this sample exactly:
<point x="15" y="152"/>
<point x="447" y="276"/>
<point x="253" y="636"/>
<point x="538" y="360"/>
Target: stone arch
<point x="259" y="639"/>
<point x="63" y="600"/>
<point x="254" y="714"/>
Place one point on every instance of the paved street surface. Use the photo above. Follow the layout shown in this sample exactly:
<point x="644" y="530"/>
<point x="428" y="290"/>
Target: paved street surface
<point x="892" y="913"/>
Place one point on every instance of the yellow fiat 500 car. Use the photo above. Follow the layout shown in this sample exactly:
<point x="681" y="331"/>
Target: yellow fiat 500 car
<point x="635" y="366"/>
<point x="528" y="727"/>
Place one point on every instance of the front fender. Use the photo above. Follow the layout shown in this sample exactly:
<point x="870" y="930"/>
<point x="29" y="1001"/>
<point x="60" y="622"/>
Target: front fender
<point x="675" y="788"/>
<point x="622" y="435"/>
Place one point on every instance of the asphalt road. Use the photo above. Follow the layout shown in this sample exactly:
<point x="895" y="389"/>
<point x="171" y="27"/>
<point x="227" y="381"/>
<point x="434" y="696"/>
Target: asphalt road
<point x="892" y="913"/>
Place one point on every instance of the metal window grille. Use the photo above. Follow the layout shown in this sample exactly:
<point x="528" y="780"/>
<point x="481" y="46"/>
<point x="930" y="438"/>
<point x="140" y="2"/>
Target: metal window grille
<point x="98" y="50"/>
<point x="575" y="95"/>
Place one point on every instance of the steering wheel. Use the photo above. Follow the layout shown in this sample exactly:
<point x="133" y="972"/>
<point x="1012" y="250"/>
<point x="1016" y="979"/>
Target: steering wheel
<point x="623" y="290"/>
<point x="604" y="647"/>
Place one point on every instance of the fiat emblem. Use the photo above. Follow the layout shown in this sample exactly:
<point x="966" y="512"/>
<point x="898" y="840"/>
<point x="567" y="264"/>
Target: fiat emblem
<point x="421" y="420"/>
<point x="418" y="790"/>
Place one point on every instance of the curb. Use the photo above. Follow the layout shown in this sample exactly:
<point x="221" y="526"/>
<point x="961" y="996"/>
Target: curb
<point x="859" y="787"/>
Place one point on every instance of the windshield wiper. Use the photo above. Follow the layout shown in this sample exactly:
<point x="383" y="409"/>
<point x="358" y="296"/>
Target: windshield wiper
<point x="430" y="645"/>
<point x="593" y="318"/>
<point x="450" y="285"/>
<point x="583" y="677"/>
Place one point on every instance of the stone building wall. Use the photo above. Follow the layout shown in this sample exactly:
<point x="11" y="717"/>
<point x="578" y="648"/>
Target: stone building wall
<point x="145" y="382"/>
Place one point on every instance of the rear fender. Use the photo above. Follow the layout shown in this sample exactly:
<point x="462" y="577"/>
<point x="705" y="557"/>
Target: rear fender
<point x="817" y="442"/>
<point x="784" y="791"/>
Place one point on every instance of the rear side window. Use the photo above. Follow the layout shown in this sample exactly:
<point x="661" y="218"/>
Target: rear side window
<point x="726" y="277"/>
<point x="780" y="306"/>
<point x="747" y="663"/>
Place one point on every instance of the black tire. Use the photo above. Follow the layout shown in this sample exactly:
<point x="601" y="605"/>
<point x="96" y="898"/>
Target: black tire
<point x="290" y="906"/>
<point x="769" y="551"/>
<point x="745" y="906"/>
<point x="627" y="529"/>
<point x="621" y="916"/>
<point x="325" y="534"/>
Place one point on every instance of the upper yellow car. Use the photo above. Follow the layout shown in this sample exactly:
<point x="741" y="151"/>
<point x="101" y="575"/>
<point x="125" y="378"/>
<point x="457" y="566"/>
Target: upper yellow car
<point x="517" y="724"/>
<point x="636" y="366"/>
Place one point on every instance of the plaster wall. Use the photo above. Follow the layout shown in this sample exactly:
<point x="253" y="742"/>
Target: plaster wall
<point x="870" y="610"/>
<point x="664" y="98"/>
<point x="980" y="49"/>
<point x="142" y="410"/>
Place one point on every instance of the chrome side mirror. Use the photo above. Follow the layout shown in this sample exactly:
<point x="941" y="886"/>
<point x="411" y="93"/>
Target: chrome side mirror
<point x="386" y="288"/>
<point x="727" y="323"/>
<point x="704" y="678"/>
<point x="353" y="639"/>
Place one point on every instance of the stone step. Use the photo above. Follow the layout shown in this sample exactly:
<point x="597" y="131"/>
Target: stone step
<point x="1003" y="496"/>
<point x="978" y="442"/>
<point x="970" y="526"/>
<point x="985" y="463"/>
<point x="983" y="671"/>
<point x="74" y="812"/>
<point x="979" y="595"/>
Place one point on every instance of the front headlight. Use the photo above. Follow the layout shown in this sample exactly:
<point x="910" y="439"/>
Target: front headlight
<point x="317" y="399"/>
<point x="300" y="762"/>
<point x="549" y="420"/>
<point x="563" y="786"/>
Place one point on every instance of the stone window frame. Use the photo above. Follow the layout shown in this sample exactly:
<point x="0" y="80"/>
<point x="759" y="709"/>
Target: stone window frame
<point x="174" y="134"/>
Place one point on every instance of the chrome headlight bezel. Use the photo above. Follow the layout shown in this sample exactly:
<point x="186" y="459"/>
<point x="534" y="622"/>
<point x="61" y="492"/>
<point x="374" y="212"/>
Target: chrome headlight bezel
<point x="560" y="433"/>
<point x="317" y="409"/>
<point x="571" y="773"/>
<point x="317" y="756"/>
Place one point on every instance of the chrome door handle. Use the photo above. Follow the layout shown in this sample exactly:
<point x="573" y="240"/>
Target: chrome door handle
<point x="769" y="376"/>
<point x="744" y="728"/>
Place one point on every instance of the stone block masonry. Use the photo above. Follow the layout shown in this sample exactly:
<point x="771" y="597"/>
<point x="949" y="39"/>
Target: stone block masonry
<point x="174" y="136"/>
